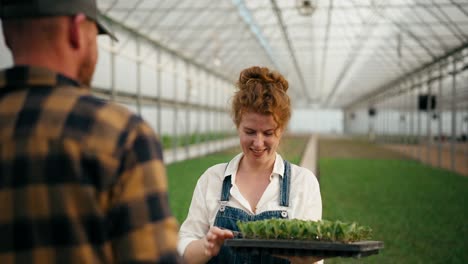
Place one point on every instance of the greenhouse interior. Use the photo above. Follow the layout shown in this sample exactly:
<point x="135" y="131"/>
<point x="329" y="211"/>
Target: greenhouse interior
<point x="365" y="76"/>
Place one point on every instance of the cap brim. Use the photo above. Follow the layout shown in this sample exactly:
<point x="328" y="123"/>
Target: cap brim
<point x="102" y="29"/>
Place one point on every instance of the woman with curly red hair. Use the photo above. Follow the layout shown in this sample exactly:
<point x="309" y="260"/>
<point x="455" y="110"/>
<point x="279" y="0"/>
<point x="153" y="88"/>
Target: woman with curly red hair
<point x="256" y="184"/>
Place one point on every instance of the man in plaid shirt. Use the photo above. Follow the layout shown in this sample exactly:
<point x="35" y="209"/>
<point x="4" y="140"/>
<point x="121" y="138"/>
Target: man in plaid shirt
<point x="81" y="179"/>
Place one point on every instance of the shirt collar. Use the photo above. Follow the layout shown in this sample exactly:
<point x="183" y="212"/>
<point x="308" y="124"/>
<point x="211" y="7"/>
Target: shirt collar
<point x="233" y="165"/>
<point x="30" y="76"/>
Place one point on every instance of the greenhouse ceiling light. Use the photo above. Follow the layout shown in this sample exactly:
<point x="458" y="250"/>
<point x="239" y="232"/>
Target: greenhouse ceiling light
<point x="306" y="7"/>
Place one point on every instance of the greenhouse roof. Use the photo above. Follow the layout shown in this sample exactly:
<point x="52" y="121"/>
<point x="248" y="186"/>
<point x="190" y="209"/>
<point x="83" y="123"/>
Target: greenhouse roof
<point x="342" y="53"/>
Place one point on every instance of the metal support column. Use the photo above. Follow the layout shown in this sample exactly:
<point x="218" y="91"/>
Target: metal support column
<point x="208" y="113"/>
<point x="218" y="113"/>
<point x="158" y="92"/>
<point x="429" y="113"/>
<point x="408" y="123"/>
<point x="465" y="107"/>
<point x="403" y="116"/>
<point x="188" y="88"/>
<point x="440" y="116"/>
<point x="453" y="138"/>
<point x="197" y="86"/>
<point x="138" y="76"/>
<point x="345" y="121"/>
<point x="211" y="114"/>
<point x="414" y="114"/>
<point x="112" y="71"/>
<point x="370" y="129"/>
<point x="382" y="118"/>
<point x="175" y="122"/>
<point x="419" y="156"/>
<point x="386" y="120"/>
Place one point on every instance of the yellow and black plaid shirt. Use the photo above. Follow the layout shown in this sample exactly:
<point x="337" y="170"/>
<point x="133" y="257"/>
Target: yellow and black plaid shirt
<point x="81" y="179"/>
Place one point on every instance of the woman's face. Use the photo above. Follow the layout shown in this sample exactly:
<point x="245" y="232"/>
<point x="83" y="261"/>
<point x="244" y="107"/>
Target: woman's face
<point x="257" y="137"/>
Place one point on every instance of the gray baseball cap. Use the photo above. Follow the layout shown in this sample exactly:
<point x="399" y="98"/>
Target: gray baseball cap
<point x="41" y="8"/>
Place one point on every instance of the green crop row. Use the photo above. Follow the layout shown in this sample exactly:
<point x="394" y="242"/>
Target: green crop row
<point x="169" y="141"/>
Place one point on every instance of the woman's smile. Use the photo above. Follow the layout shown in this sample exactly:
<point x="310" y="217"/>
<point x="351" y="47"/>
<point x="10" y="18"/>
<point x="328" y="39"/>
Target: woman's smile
<point x="259" y="137"/>
<point x="258" y="152"/>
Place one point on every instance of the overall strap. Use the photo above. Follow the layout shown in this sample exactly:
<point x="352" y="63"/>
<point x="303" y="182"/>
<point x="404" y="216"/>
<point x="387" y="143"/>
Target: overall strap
<point x="285" y="184"/>
<point x="225" y="192"/>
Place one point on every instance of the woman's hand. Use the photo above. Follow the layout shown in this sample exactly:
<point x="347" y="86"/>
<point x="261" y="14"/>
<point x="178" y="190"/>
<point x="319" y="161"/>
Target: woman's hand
<point x="202" y="250"/>
<point x="214" y="239"/>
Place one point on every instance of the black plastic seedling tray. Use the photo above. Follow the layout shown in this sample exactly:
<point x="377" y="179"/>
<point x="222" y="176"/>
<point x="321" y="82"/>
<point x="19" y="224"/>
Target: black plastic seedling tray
<point x="305" y="247"/>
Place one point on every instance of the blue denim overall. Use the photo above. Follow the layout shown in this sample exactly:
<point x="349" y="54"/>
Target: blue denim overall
<point x="227" y="217"/>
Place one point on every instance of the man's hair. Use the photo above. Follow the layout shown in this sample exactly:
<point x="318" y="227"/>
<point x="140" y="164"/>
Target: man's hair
<point x="17" y="32"/>
<point x="16" y="9"/>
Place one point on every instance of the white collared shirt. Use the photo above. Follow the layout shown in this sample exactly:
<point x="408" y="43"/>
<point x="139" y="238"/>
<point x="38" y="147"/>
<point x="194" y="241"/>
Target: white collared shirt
<point x="304" y="198"/>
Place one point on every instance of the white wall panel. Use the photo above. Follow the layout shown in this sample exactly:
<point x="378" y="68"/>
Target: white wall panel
<point x="125" y="74"/>
<point x="316" y="121"/>
<point x="148" y="81"/>
<point x="167" y="83"/>
<point x="149" y="114"/>
<point x="102" y="75"/>
<point x="168" y="117"/>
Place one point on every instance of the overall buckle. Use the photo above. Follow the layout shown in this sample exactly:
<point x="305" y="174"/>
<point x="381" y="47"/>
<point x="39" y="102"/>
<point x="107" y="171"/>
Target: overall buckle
<point x="222" y="205"/>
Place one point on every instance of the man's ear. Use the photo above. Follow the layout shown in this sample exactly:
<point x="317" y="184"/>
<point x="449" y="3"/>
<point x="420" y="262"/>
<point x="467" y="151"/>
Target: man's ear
<point x="75" y="31"/>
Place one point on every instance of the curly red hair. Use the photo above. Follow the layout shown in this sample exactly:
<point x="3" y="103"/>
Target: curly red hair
<point x="262" y="91"/>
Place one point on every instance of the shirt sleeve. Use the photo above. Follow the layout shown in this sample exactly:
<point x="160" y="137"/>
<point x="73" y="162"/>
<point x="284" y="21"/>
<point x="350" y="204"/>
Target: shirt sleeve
<point x="310" y="206"/>
<point x="310" y="203"/>
<point x="197" y="224"/>
<point x="141" y="225"/>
